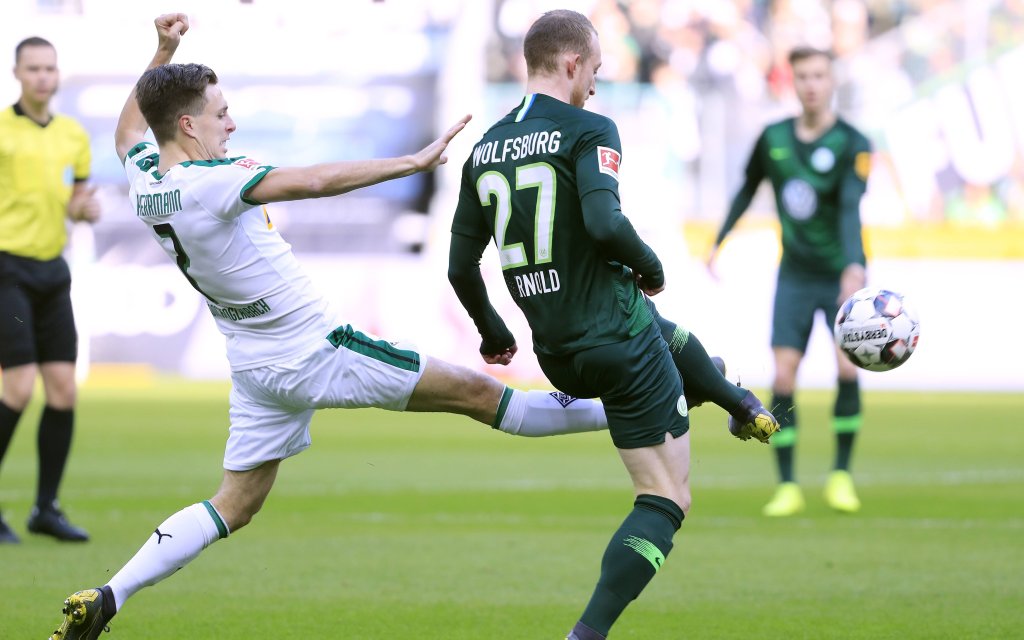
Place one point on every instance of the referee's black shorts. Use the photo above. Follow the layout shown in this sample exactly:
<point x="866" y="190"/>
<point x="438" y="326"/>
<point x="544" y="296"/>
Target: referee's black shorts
<point x="36" y="320"/>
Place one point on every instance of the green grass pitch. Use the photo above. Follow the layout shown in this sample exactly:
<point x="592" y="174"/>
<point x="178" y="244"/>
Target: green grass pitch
<point x="431" y="526"/>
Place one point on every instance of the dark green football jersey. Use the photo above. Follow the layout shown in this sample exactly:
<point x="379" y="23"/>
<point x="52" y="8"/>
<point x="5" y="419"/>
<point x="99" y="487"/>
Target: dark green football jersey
<point x="522" y="188"/>
<point x="818" y="186"/>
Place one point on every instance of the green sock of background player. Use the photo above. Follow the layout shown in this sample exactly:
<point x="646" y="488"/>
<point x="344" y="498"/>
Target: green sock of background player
<point x="784" y="440"/>
<point x="846" y="421"/>
<point x="635" y="553"/>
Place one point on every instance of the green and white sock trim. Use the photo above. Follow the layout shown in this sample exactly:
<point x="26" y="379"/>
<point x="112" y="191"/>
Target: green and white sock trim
<point x="222" y="527"/>
<point x="506" y="398"/>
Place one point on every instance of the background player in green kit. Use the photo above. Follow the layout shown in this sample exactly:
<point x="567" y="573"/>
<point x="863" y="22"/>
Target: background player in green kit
<point x="818" y="166"/>
<point x="542" y="183"/>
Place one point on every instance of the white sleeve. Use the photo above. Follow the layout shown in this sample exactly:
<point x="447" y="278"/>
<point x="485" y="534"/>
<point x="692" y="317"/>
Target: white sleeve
<point x="142" y="158"/>
<point x="222" y="190"/>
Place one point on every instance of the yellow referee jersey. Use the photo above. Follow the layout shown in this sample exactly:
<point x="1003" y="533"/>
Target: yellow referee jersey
<point x="38" y="168"/>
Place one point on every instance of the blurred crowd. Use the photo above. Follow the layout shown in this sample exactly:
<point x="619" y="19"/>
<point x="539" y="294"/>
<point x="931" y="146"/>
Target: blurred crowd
<point x="734" y="44"/>
<point x="721" y="68"/>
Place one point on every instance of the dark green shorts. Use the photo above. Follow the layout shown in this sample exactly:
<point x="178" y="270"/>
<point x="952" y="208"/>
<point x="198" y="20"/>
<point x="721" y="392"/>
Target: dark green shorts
<point x="637" y="382"/>
<point x="797" y="299"/>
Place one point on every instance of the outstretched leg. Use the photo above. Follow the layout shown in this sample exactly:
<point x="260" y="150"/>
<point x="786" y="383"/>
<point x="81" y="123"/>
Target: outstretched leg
<point x="174" y="543"/>
<point x="704" y="379"/>
<point x="456" y="389"/>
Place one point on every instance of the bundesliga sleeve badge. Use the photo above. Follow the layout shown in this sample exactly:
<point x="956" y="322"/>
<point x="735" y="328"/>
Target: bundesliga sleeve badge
<point x="608" y="161"/>
<point x="248" y="163"/>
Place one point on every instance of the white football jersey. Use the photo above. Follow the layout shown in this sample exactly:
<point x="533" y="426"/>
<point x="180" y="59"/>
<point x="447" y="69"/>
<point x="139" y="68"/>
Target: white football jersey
<point x="228" y="249"/>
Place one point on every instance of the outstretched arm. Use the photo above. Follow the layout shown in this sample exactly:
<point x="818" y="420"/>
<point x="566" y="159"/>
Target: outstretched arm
<point x="741" y="201"/>
<point x="334" y="178"/>
<point x="497" y="345"/>
<point x="131" y="126"/>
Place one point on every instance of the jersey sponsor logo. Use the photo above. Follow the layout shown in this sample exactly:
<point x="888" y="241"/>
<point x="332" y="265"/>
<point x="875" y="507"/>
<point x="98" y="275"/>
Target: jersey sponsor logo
<point x="862" y="164"/>
<point x="799" y="199"/>
<point x="822" y="159"/>
<point x="254" y="310"/>
<point x="157" y="204"/>
<point x="248" y="163"/>
<point x="608" y="161"/>
<point x="563" y="399"/>
<point x="778" y="153"/>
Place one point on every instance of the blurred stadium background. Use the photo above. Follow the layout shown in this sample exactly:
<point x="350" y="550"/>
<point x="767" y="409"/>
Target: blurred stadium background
<point x="934" y="83"/>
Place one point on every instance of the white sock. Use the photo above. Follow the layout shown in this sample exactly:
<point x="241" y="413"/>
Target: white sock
<point x="175" y="543"/>
<point x="548" y="413"/>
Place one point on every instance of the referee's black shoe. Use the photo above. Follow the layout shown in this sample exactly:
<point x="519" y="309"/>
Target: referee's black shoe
<point x="7" y="535"/>
<point x="50" y="521"/>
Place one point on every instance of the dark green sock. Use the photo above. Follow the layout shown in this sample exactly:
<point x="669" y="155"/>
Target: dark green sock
<point x="784" y="441"/>
<point x="702" y="381"/>
<point x="634" y="555"/>
<point x="54" y="444"/>
<point x="846" y="421"/>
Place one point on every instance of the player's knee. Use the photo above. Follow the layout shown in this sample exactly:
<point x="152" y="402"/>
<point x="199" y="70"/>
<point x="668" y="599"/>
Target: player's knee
<point x="474" y="393"/>
<point x="480" y="388"/>
<point x="784" y="384"/>
<point x="684" y="501"/>
<point x="17" y="391"/>
<point x="59" y="385"/>
<point x="62" y="397"/>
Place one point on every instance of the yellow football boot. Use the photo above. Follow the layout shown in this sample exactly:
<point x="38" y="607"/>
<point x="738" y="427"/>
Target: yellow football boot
<point x="83" y="616"/>
<point x="787" y="501"/>
<point x="840" y="494"/>
<point x="752" y="420"/>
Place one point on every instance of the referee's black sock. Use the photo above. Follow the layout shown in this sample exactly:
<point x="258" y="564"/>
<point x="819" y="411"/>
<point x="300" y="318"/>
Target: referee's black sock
<point x="54" y="441"/>
<point x="8" y="421"/>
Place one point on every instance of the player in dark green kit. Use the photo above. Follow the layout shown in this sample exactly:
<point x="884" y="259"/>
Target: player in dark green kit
<point x="818" y="166"/>
<point x="542" y="184"/>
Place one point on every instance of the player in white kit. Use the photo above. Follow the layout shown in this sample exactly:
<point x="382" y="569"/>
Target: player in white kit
<point x="289" y="355"/>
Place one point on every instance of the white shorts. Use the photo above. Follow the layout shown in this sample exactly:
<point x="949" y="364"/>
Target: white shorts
<point x="271" y="406"/>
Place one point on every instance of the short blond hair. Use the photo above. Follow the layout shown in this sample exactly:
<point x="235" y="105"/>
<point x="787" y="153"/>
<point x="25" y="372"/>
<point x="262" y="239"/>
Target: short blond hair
<point x="554" y="33"/>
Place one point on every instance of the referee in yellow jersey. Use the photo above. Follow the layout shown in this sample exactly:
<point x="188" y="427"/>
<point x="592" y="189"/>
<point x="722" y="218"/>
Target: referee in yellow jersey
<point x="44" y="162"/>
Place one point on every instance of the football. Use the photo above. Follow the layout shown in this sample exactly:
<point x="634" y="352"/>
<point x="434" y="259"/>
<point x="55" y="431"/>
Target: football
<point x="877" y="329"/>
